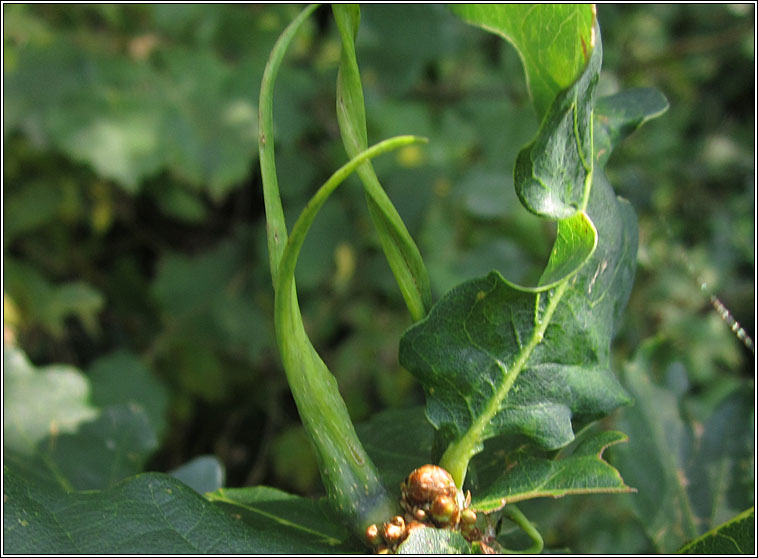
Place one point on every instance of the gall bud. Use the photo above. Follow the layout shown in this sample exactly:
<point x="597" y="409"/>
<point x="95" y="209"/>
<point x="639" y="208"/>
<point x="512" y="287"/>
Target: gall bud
<point x="373" y="536"/>
<point x="394" y="531"/>
<point x="445" y="510"/>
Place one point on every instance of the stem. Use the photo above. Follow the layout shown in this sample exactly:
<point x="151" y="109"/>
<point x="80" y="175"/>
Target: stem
<point x="276" y="227"/>
<point x="589" y="165"/>
<point x="353" y="486"/>
<point x="515" y="515"/>
<point x="304" y="221"/>
<point x="399" y="248"/>
<point x="352" y="482"/>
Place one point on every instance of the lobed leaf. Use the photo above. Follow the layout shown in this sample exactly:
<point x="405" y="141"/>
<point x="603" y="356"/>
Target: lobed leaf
<point x="616" y="116"/>
<point x="554" y="41"/>
<point x="553" y="174"/>
<point x="150" y="514"/>
<point x="561" y="51"/>
<point x="576" y="240"/>
<point x="465" y="352"/>
<point x="495" y="358"/>
<point x="582" y="472"/>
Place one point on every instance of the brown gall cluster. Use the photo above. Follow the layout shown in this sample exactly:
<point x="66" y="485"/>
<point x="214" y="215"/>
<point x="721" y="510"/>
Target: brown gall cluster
<point x="429" y="499"/>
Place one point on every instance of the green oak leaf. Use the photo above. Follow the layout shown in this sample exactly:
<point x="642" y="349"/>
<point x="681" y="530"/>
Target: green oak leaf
<point x="263" y="507"/>
<point x="554" y="41"/>
<point x="576" y="240"/>
<point x="428" y="540"/>
<point x="495" y="358"/>
<point x="553" y="173"/>
<point x="582" y="472"/>
<point x="561" y="50"/>
<point x="618" y="115"/>
<point x="736" y="536"/>
<point x="150" y="514"/>
<point x="463" y="351"/>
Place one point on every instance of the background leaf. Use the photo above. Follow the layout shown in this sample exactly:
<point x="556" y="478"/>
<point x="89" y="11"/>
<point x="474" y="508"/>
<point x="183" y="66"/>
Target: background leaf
<point x="39" y="403"/>
<point x="398" y="441"/>
<point x="202" y="474"/>
<point x="128" y="119"/>
<point x="689" y="476"/>
<point x="211" y="322"/>
<point x="733" y="537"/>
<point x="49" y="305"/>
<point x="121" y="377"/>
<point x="52" y="431"/>
<point x="102" y="452"/>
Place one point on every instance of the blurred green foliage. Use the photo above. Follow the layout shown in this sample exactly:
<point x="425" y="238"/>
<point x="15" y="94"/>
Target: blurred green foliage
<point x="134" y="239"/>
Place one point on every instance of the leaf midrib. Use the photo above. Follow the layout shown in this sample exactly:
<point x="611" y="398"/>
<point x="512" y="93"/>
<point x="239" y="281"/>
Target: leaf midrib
<point x="285" y="522"/>
<point x="458" y="454"/>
